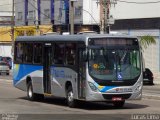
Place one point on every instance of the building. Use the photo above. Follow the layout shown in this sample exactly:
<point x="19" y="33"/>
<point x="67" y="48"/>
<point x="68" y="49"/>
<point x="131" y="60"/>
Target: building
<point x="32" y="17"/>
<point x="56" y="13"/>
<point x="5" y="29"/>
<point x="134" y="17"/>
<point x="86" y="16"/>
<point x="139" y="18"/>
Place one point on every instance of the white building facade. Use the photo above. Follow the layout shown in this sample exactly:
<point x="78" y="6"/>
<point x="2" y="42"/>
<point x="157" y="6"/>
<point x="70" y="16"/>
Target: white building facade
<point x="133" y="17"/>
<point x="5" y="23"/>
<point x="139" y="18"/>
<point x="56" y="13"/>
<point x="86" y="15"/>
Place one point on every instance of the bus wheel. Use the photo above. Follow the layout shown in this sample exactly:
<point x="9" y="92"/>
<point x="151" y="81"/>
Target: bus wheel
<point x="70" y="99"/>
<point x="119" y="104"/>
<point x="31" y="95"/>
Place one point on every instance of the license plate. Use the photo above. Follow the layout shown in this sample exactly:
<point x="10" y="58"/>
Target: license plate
<point x="116" y="99"/>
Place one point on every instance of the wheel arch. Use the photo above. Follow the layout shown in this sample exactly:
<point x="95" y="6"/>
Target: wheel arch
<point x="67" y="84"/>
<point x="28" y="79"/>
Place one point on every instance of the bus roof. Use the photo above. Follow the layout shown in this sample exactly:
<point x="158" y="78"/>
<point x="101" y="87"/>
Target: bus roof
<point x="76" y="37"/>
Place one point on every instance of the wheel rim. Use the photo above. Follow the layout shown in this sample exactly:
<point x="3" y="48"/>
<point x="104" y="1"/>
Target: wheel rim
<point x="30" y="91"/>
<point x="70" y="96"/>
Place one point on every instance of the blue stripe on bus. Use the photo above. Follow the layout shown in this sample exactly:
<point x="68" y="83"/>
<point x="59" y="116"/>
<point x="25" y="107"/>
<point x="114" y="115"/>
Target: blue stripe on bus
<point x="104" y="88"/>
<point x="21" y="70"/>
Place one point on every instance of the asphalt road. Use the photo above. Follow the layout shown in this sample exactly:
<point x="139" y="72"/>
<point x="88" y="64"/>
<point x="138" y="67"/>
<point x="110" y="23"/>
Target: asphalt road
<point x="14" y="104"/>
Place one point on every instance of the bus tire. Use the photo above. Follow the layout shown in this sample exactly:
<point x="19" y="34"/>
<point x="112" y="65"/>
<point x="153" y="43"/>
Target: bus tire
<point x="119" y="104"/>
<point x="31" y="95"/>
<point x="70" y="99"/>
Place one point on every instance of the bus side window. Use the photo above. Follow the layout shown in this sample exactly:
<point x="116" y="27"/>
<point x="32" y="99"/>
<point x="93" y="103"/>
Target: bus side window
<point x="59" y="53"/>
<point x="28" y="52"/>
<point x="19" y="52"/>
<point x="70" y="53"/>
<point x="37" y="53"/>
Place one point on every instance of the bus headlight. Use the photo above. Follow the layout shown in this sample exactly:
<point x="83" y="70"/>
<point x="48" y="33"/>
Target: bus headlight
<point x="93" y="87"/>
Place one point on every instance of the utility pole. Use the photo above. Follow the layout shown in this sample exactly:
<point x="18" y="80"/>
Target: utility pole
<point x="71" y="16"/>
<point x="12" y="29"/>
<point x="100" y="2"/>
<point x="107" y="27"/>
<point x="36" y="18"/>
<point x="106" y="11"/>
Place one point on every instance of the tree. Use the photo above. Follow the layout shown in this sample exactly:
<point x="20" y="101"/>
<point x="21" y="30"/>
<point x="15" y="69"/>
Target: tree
<point x="147" y="40"/>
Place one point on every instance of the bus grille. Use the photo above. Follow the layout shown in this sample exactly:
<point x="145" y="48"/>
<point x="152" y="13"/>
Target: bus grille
<point x="109" y="96"/>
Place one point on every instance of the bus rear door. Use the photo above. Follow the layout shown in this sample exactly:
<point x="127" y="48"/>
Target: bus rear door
<point x="47" y="65"/>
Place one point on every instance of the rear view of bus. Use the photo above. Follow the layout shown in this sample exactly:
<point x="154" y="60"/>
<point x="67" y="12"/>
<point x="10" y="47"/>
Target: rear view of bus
<point x="114" y="70"/>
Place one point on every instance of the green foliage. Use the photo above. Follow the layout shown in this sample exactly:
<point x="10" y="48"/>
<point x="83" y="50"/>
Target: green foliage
<point x="147" y="40"/>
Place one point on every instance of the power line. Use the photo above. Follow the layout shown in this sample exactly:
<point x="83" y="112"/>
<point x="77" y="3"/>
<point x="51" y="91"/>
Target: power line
<point x="138" y="2"/>
<point x="90" y="15"/>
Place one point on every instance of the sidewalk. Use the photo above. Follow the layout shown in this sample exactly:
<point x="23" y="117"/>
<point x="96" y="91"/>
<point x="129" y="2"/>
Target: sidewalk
<point x="156" y="80"/>
<point x="152" y="91"/>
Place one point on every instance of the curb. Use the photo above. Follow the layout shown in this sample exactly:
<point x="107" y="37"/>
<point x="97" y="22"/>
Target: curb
<point x="10" y="81"/>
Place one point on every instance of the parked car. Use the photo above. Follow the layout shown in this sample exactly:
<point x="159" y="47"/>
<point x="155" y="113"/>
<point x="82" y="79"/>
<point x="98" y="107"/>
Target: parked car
<point x="4" y="68"/>
<point x="88" y="32"/>
<point x="0" y="58"/>
<point x="8" y="60"/>
<point x="148" y="76"/>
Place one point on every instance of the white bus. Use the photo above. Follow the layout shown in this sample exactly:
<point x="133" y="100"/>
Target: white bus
<point x="79" y="67"/>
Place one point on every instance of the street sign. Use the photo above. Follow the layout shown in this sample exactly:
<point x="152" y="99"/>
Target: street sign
<point x="111" y="20"/>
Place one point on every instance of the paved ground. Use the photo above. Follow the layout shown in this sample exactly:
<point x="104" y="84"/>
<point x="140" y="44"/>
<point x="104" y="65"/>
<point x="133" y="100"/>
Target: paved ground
<point x="13" y="103"/>
<point x="149" y="91"/>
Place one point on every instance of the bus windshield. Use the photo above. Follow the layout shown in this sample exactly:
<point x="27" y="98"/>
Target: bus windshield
<point x="114" y="62"/>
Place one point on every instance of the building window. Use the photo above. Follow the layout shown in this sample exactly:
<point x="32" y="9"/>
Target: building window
<point x="31" y="15"/>
<point x="46" y="13"/>
<point x="20" y="16"/>
<point x="78" y="12"/>
<point x="60" y="14"/>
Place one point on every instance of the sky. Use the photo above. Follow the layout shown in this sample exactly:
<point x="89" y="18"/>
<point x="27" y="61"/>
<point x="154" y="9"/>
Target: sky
<point x="124" y="10"/>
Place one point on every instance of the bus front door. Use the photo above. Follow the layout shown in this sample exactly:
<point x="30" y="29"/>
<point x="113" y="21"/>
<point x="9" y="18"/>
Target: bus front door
<point x="47" y="70"/>
<point x="81" y="75"/>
